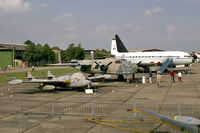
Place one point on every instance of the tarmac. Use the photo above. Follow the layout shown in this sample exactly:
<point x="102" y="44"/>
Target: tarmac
<point x="111" y="91"/>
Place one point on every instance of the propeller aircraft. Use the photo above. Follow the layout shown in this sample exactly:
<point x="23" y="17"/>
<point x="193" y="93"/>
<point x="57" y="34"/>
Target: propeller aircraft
<point x="118" y="67"/>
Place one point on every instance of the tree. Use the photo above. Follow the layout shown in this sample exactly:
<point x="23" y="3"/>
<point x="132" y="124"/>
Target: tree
<point x="55" y="48"/>
<point x="101" y="53"/>
<point x="79" y="52"/>
<point x="73" y="52"/>
<point x="38" y="54"/>
<point x="29" y="53"/>
<point x="28" y="42"/>
<point x="48" y="54"/>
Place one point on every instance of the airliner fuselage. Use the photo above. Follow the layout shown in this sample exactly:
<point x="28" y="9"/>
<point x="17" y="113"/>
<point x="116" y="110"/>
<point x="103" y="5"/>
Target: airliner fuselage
<point x="149" y="58"/>
<point x="152" y="58"/>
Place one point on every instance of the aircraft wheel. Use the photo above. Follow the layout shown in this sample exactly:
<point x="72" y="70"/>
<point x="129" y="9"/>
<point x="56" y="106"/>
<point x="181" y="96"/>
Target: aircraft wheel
<point x="89" y="86"/>
<point x="120" y="77"/>
<point x="55" y="88"/>
<point x="41" y="85"/>
<point x="133" y="76"/>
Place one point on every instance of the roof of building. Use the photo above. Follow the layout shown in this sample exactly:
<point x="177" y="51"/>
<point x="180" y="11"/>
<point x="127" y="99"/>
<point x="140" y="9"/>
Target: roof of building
<point x="146" y="50"/>
<point x="13" y="45"/>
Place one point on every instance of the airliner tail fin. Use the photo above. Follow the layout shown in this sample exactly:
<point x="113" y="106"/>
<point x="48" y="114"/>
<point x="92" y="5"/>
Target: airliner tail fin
<point x="117" y="46"/>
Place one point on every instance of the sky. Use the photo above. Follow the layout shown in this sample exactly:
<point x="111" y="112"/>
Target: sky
<point x="141" y="24"/>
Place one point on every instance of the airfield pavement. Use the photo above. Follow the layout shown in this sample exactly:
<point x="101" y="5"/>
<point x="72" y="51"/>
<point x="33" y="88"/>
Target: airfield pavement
<point x="111" y="91"/>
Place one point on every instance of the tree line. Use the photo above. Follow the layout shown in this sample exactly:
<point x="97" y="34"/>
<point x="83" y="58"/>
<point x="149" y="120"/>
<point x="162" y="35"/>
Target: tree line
<point x="38" y="55"/>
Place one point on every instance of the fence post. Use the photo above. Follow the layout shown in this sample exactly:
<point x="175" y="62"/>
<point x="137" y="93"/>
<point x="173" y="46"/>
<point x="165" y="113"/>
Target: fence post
<point x="92" y="109"/>
<point x="53" y="107"/>
<point x="19" y="104"/>
<point x="179" y="109"/>
<point x="135" y="113"/>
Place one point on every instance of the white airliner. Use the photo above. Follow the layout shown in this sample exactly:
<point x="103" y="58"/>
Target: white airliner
<point x="145" y="59"/>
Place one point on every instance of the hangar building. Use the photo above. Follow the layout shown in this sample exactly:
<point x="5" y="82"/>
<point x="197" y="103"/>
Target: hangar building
<point x="10" y="52"/>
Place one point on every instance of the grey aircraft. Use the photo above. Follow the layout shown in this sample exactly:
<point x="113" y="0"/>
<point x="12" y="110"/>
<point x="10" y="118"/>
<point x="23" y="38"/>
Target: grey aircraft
<point x="118" y="67"/>
<point x="76" y="80"/>
<point x="185" y="124"/>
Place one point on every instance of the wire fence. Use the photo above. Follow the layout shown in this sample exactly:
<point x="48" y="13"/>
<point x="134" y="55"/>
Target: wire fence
<point x="94" y="109"/>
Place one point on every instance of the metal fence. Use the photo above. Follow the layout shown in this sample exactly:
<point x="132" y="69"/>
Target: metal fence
<point x="95" y="109"/>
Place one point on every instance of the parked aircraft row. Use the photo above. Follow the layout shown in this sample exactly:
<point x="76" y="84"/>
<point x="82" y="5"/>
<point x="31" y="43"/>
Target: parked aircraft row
<point x="126" y="62"/>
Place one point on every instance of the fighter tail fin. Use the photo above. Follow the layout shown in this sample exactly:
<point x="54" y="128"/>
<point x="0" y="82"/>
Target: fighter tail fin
<point x="50" y="75"/>
<point x="29" y="76"/>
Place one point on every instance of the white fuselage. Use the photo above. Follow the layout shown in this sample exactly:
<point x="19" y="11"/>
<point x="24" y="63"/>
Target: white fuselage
<point x="152" y="58"/>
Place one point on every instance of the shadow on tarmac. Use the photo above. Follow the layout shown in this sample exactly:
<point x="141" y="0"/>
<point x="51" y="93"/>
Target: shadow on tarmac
<point x="162" y="132"/>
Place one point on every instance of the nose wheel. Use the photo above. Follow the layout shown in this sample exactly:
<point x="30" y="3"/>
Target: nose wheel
<point x="89" y="86"/>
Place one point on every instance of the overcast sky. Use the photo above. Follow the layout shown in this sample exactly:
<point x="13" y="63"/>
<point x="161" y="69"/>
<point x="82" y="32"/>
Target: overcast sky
<point x="141" y="24"/>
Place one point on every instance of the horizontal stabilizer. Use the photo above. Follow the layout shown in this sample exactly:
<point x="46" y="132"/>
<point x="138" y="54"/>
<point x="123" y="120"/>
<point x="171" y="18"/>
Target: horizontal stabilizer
<point x="29" y="76"/>
<point x="50" y="75"/>
<point x="16" y="81"/>
<point x="99" y="77"/>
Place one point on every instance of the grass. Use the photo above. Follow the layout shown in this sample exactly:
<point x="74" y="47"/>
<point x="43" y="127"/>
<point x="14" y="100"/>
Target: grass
<point x="4" y="77"/>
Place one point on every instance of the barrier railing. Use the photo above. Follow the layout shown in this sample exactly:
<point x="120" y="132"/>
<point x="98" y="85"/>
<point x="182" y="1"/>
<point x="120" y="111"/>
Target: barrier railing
<point x="96" y="109"/>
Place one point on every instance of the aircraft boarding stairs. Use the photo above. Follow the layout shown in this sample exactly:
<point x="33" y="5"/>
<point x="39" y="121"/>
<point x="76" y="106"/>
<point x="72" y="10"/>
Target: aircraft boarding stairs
<point x="167" y="62"/>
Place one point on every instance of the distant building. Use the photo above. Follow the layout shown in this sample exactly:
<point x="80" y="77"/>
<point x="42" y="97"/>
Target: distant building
<point x="58" y="56"/>
<point x="88" y="54"/>
<point x="146" y="50"/>
<point x="9" y="52"/>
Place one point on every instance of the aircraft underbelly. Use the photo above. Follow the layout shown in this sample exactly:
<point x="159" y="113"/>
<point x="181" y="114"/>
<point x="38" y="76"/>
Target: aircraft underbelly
<point x="182" y="61"/>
